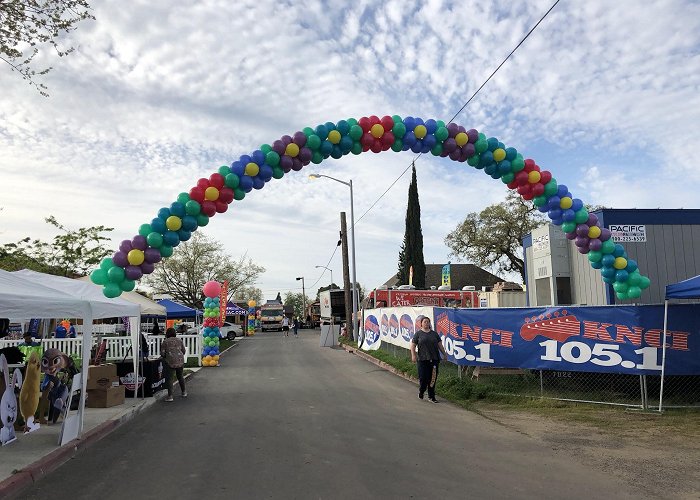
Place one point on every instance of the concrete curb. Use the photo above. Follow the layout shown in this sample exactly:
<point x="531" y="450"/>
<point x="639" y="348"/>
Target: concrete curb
<point x="382" y="364"/>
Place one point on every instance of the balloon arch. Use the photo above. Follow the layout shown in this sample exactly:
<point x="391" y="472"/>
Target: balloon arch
<point x="157" y="239"/>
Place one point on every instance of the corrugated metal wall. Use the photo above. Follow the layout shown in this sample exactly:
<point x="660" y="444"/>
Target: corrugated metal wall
<point x="587" y="286"/>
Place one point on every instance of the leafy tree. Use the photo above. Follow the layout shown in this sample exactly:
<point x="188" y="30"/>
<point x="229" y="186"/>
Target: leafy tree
<point x="198" y="260"/>
<point x="71" y="253"/>
<point x="247" y="293"/>
<point x="493" y="237"/>
<point x="296" y="300"/>
<point x="332" y="286"/>
<point x="25" y="24"/>
<point x="411" y="253"/>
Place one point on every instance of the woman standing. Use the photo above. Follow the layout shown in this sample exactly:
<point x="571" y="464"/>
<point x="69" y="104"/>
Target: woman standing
<point x="172" y="350"/>
<point x="429" y="348"/>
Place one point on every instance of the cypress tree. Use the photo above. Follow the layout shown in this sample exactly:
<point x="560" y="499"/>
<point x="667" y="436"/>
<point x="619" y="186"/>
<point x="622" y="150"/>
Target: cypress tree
<point x="412" y="249"/>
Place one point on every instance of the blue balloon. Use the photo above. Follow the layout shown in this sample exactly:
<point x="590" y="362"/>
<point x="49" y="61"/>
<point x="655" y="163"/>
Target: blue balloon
<point x="568" y="215"/>
<point x="343" y="127"/>
<point x="345" y="143"/>
<point x="511" y="154"/>
<point x="410" y="124"/>
<point x="430" y="141"/>
<point x="265" y="172"/>
<point x="329" y="126"/>
<point x="553" y="202"/>
<point x="426" y="148"/>
<point x="504" y="167"/>
<point x="562" y="190"/>
<point x="576" y="205"/>
<point x="631" y="266"/>
<point x="431" y="126"/>
<point x="609" y="280"/>
<point x="557" y="222"/>
<point x="555" y="213"/>
<point x="171" y="238"/>
<point x="158" y="225"/>
<point x="189" y="223"/>
<point x="544" y="209"/>
<point x="486" y="158"/>
<point x="493" y="144"/>
<point x="245" y="159"/>
<point x="258" y="157"/>
<point x="246" y="183"/>
<point x="619" y="250"/>
<point x="597" y="265"/>
<point x="417" y="146"/>
<point x="164" y="213"/>
<point x="608" y="260"/>
<point x="326" y="148"/>
<point x="177" y="208"/>
<point x="621" y="275"/>
<point x="336" y="153"/>
<point x="258" y="183"/>
<point x="491" y="168"/>
<point x="607" y="271"/>
<point x="184" y="234"/>
<point x="237" y="168"/>
<point x="409" y="138"/>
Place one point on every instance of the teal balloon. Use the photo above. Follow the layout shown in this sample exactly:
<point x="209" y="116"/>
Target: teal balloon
<point x="581" y="216"/>
<point x="154" y="240"/>
<point x="224" y="170"/>
<point x="436" y="151"/>
<point x="634" y="279"/>
<point x="620" y="287"/>
<point x="184" y="197"/>
<point x="116" y="274"/>
<point x="98" y="276"/>
<point x="166" y="251"/>
<point x="265" y="148"/>
<point x="272" y="159"/>
<point x="313" y="142"/>
<point x="441" y="133"/>
<point x="644" y="283"/>
<point x="570" y="227"/>
<point x="127" y="285"/>
<point x="396" y="147"/>
<point x="608" y="247"/>
<point x="232" y="181"/>
<point x="622" y="295"/>
<point x="238" y="195"/>
<point x="106" y="264"/>
<point x="473" y="161"/>
<point x="634" y="292"/>
<point x="145" y="229"/>
<point x="356" y="132"/>
<point x="194" y="208"/>
<point x="508" y="178"/>
<point x="399" y="130"/>
<point x="277" y="173"/>
<point x="593" y="255"/>
<point x="112" y="290"/>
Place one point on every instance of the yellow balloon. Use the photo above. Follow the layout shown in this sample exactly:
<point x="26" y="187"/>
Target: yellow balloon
<point x="594" y="232"/>
<point x="216" y="357"/>
<point x="211" y="193"/>
<point x="377" y="131"/>
<point x="174" y="223"/>
<point x="534" y="177"/>
<point x="334" y="136"/>
<point x="291" y="150"/>
<point x="461" y="139"/>
<point x="620" y="263"/>
<point x="566" y="202"/>
<point x="420" y="131"/>
<point x="252" y="169"/>
<point x="135" y="256"/>
<point x="498" y="155"/>
<point x="251" y="303"/>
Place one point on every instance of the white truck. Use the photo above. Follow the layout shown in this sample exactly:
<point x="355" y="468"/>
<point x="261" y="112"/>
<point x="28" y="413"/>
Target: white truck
<point x="271" y="315"/>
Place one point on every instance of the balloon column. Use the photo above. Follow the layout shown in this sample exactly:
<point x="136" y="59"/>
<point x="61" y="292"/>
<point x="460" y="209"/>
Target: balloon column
<point x="251" y="317"/>
<point x="210" y="330"/>
<point x="193" y="209"/>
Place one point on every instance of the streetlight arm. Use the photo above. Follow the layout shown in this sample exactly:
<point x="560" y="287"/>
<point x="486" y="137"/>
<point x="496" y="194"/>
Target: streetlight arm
<point x="316" y="176"/>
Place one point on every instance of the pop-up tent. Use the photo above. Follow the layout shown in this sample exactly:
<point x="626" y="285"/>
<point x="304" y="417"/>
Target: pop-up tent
<point x="148" y="307"/>
<point x="687" y="289"/>
<point x="174" y="310"/>
<point x="234" y="309"/>
<point x="95" y="305"/>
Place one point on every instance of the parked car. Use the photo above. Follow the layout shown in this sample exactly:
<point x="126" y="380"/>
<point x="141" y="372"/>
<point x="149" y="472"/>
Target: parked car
<point x="226" y="331"/>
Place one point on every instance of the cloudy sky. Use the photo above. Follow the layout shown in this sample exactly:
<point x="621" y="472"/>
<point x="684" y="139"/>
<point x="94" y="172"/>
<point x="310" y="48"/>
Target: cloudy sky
<point x="606" y="95"/>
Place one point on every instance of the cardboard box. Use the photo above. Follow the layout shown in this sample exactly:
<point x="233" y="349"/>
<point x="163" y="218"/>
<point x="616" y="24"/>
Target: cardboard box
<point x="102" y="384"/>
<point x="101" y="377"/>
<point x="105" y="398"/>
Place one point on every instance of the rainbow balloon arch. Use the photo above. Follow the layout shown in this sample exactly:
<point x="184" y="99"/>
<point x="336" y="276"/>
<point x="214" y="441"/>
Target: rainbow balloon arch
<point x="158" y="238"/>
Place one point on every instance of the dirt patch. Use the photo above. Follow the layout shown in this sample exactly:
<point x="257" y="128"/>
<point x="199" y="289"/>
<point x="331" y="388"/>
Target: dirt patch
<point x="660" y="453"/>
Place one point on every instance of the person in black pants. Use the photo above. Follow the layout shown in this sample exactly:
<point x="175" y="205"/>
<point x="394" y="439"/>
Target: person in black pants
<point x="429" y="348"/>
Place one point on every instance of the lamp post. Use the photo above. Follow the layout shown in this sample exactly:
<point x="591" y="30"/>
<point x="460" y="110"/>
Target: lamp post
<point x="327" y="269"/>
<point x="303" y="294"/>
<point x="353" y="321"/>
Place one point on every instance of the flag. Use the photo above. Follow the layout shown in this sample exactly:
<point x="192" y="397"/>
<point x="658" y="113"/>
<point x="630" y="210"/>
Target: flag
<point x="223" y="302"/>
<point x="446" y="280"/>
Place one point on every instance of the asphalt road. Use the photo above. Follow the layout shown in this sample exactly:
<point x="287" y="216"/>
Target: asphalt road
<point x="284" y="418"/>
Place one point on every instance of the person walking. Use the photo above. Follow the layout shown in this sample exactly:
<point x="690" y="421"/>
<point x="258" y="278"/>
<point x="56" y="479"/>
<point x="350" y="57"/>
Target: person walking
<point x="429" y="348"/>
<point x="285" y="326"/>
<point x="296" y="326"/>
<point x="172" y="351"/>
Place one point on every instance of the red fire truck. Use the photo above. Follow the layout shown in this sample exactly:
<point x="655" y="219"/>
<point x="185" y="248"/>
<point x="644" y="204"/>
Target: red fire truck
<point x="437" y="298"/>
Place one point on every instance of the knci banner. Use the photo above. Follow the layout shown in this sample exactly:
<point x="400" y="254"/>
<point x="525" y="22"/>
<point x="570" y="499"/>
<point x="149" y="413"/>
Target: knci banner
<point x="610" y="339"/>
<point x="393" y="325"/>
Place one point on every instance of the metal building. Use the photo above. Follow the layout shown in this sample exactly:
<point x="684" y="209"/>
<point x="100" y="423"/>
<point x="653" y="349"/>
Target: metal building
<point x="664" y="242"/>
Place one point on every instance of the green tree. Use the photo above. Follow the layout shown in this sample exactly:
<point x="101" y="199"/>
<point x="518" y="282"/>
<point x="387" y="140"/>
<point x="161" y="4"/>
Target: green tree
<point x="26" y="24"/>
<point x="493" y="237"/>
<point x="332" y="286"/>
<point x="198" y="260"/>
<point x="411" y="253"/>
<point x="70" y="253"/>
<point x="296" y="300"/>
<point x="247" y="293"/>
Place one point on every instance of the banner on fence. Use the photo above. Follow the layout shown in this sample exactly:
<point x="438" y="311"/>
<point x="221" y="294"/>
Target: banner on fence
<point x="610" y="339"/>
<point x="393" y="325"/>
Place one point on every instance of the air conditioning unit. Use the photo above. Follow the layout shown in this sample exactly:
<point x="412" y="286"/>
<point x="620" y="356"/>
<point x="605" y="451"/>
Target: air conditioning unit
<point x="469" y="288"/>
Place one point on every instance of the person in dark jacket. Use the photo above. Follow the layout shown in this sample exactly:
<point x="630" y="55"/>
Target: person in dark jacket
<point x="429" y="347"/>
<point x="172" y="350"/>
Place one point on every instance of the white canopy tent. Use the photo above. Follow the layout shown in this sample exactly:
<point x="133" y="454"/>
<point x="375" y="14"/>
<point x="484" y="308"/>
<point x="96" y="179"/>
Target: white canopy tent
<point x="148" y="307"/>
<point x="92" y="305"/>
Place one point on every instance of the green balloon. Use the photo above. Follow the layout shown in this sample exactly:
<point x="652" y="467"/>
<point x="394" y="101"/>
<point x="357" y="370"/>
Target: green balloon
<point x="193" y="207"/>
<point x="570" y="227"/>
<point x="581" y="216"/>
<point x="608" y="246"/>
<point x="396" y="118"/>
<point x="98" y="276"/>
<point x="399" y="130"/>
<point x="238" y="195"/>
<point x="440" y="123"/>
<point x="154" y="240"/>
<point x="437" y="149"/>
<point x="634" y="278"/>
<point x="620" y="286"/>
<point x="224" y="170"/>
<point x="317" y="158"/>
<point x="184" y="197"/>
<point x="145" y="229"/>
<point x="481" y="145"/>
<point x="127" y="285"/>
<point x="265" y="148"/>
<point x="442" y="133"/>
<point x="112" y="290"/>
<point x="482" y="136"/>
<point x="308" y="131"/>
<point x="473" y="161"/>
<point x="593" y="255"/>
<point x="508" y="178"/>
<point x="550" y="189"/>
<point x="355" y="132"/>
<point x="106" y="264"/>
<point x="166" y="251"/>
<point x="272" y="158"/>
<point x="622" y="295"/>
<point x="397" y="146"/>
<point x="357" y="147"/>
<point x="277" y="173"/>
<point x="116" y="274"/>
<point x="517" y="164"/>
<point x="351" y="121"/>
<point x="313" y="142"/>
<point x="232" y="180"/>
<point x="539" y="201"/>
<point x="634" y="292"/>
<point x="644" y="283"/>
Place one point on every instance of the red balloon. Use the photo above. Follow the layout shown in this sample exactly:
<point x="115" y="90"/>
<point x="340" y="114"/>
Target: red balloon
<point x="364" y="123"/>
<point x="385" y="146"/>
<point x="387" y="122"/>
<point x="523" y="190"/>
<point x="365" y="148"/>
<point x="367" y="139"/>
<point x="529" y="165"/>
<point x="226" y="195"/>
<point x="203" y="183"/>
<point x="521" y="178"/>
<point x="221" y="206"/>
<point x="216" y="180"/>
<point x="537" y="189"/>
<point x="512" y="185"/>
<point x="376" y="146"/>
<point x="528" y="196"/>
<point x="388" y="138"/>
<point x="545" y="176"/>
<point x="374" y="120"/>
<point x="208" y="208"/>
<point x="197" y="194"/>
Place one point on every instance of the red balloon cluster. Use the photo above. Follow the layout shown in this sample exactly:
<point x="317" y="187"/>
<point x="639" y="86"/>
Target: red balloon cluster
<point x="376" y="133"/>
<point x="213" y="196"/>
<point x="530" y="181"/>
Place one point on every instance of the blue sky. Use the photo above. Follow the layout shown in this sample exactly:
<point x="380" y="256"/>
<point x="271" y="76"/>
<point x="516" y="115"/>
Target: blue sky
<point x="605" y="95"/>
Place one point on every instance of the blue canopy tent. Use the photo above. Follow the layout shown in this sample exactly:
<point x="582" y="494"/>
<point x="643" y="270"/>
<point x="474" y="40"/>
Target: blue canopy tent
<point x="233" y="309"/>
<point x="173" y="310"/>
<point x="686" y="289"/>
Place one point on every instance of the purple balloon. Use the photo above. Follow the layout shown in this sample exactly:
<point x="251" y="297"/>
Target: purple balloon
<point x="133" y="272"/>
<point x="449" y="145"/>
<point x="461" y="129"/>
<point x="305" y="155"/>
<point x="605" y="234"/>
<point x="286" y="139"/>
<point x="279" y="147"/>
<point x="147" y="267"/>
<point x="592" y="220"/>
<point x="454" y="155"/>
<point x="296" y="164"/>
<point x="125" y="246"/>
<point x="139" y="242"/>
<point x="581" y="241"/>
<point x="453" y="129"/>
<point x="299" y="139"/>
<point x="469" y="150"/>
<point x="583" y="250"/>
<point x="286" y="163"/>
<point x="582" y="230"/>
<point x="473" y="135"/>
<point x="120" y="259"/>
<point x="595" y="244"/>
<point x="570" y="236"/>
<point x="152" y="255"/>
<point x="462" y="155"/>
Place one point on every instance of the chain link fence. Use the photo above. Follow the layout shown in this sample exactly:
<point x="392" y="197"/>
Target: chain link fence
<point x="639" y="391"/>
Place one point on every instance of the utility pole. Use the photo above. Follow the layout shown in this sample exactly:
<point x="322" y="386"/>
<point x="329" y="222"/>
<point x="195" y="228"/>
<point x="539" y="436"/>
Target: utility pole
<point x="346" y="277"/>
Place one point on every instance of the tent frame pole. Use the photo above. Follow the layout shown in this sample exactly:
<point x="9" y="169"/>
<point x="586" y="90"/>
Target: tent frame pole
<point x="663" y="356"/>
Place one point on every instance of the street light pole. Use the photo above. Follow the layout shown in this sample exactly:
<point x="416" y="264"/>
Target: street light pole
<point x="353" y="321"/>
<point x="327" y="269"/>
<point x="303" y="293"/>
